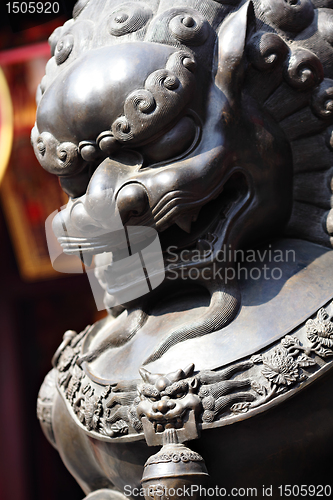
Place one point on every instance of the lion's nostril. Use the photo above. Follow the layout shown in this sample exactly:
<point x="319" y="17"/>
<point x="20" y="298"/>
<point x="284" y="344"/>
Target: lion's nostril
<point x="132" y="201"/>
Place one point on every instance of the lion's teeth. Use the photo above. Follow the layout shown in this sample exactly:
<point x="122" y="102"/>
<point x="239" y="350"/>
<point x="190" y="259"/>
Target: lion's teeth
<point x="204" y="247"/>
<point x="184" y="223"/>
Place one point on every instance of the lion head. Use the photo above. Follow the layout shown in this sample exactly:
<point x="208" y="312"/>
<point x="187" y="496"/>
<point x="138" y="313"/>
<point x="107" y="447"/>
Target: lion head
<point x="199" y="120"/>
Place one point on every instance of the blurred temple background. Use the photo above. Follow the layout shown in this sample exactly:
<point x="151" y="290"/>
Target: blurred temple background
<point x="37" y="304"/>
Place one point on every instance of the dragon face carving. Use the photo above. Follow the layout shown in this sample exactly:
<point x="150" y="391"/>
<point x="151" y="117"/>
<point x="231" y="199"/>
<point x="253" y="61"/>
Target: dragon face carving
<point x="167" y="399"/>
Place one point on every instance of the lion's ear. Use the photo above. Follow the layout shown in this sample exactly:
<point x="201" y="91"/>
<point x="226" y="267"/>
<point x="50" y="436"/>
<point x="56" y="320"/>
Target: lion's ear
<point x="232" y="38"/>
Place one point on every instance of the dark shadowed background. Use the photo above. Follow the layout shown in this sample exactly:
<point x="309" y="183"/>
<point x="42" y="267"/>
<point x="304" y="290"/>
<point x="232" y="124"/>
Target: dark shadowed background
<point x="36" y="306"/>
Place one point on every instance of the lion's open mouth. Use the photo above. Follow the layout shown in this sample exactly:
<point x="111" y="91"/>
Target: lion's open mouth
<point x="201" y="233"/>
<point x="212" y="222"/>
<point x="161" y="425"/>
<point x="189" y="231"/>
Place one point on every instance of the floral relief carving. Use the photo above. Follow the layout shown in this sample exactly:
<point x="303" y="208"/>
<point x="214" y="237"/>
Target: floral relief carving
<point x="320" y="334"/>
<point x="280" y="367"/>
<point x="213" y="396"/>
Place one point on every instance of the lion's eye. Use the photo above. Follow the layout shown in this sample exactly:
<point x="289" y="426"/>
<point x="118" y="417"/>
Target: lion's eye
<point x="172" y="144"/>
<point x="153" y="399"/>
<point x="180" y="394"/>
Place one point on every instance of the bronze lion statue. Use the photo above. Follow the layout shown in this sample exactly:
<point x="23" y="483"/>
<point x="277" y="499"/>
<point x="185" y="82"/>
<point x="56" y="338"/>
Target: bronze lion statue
<point x="195" y="142"/>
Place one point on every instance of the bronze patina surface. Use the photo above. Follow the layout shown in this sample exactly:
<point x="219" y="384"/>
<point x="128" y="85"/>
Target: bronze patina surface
<point x="196" y="134"/>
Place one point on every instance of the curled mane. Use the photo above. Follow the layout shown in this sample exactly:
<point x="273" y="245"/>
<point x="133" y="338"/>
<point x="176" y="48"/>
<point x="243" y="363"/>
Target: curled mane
<point x="291" y="75"/>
